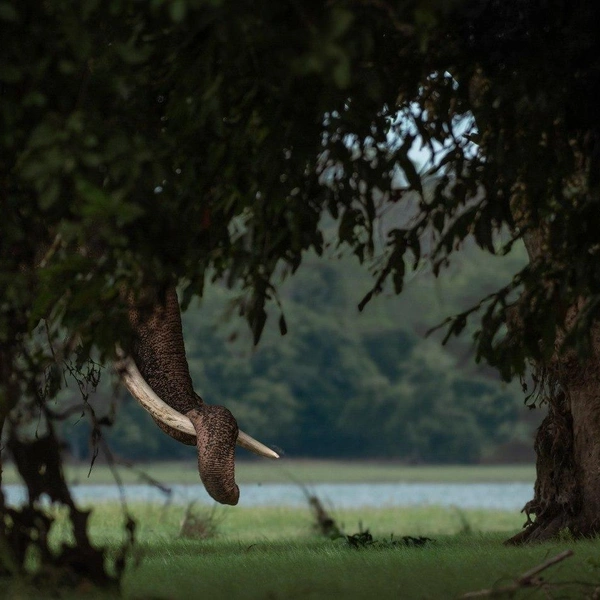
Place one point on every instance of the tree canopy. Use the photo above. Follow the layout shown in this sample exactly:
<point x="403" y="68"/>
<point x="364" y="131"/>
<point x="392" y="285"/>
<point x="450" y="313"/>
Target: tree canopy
<point x="193" y="138"/>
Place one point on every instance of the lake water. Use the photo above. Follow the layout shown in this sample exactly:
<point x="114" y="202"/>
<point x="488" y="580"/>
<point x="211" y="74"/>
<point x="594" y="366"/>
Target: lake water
<point x="501" y="496"/>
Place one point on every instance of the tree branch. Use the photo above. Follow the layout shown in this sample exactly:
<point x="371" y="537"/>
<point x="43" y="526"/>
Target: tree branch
<point x="526" y="580"/>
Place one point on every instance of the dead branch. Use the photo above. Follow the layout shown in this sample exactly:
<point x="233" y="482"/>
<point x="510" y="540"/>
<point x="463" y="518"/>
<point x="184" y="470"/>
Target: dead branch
<point x="526" y="580"/>
<point x="325" y="523"/>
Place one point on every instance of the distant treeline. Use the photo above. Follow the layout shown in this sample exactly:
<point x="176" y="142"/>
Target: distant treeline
<point x="343" y="383"/>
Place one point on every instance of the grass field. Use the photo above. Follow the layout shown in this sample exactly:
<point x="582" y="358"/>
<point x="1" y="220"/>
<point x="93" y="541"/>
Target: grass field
<point x="271" y="553"/>
<point x="304" y="471"/>
<point x="277" y="553"/>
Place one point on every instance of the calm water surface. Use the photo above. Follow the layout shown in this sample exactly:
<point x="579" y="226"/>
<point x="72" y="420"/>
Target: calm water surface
<point x="502" y="496"/>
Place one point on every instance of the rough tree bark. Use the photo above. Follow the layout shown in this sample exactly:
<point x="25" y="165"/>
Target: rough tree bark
<point x="567" y="443"/>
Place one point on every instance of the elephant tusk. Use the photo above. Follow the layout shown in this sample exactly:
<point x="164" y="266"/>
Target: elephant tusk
<point x="145" y="395"/>
<point x="249" y="443"/>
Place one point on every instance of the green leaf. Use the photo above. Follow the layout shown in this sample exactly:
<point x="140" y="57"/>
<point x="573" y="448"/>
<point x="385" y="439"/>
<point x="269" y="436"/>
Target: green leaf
<point x="8" y="12"/>
<point x="341" y="19"/>
<point x="341" y="73"/>
<point x="133" y="55"/>
<point x="483" y="234"/>
<point x="257" y="318"/>
<point x="178" y="10"/>
<point x="398" y="275"/>
<point x="282" y="325"/>
<point x="412" y="176"/>
<point x="50" y="194"/>
<point x="10" y="73"/>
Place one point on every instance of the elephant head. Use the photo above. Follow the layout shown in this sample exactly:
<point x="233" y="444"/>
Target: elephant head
<point x="156" y="373"/>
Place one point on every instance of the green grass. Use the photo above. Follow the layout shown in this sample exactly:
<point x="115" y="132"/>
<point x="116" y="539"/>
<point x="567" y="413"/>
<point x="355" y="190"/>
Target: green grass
<point x="306" y="471"/>
<point x="276" y="553"/>
<point x="282" y="524"/>
<point x="453" y="566"/>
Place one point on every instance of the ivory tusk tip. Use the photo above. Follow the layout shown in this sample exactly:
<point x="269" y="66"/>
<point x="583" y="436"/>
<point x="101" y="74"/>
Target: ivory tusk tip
<point x="268" y="454"/>
<point x="249" y="443"/>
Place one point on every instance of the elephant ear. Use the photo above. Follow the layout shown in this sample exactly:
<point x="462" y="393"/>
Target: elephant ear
<point x="216" y="437"/>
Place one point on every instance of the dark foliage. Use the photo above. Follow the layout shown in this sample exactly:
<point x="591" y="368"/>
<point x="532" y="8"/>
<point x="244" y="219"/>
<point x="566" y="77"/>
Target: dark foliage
<point x="364" y="539"/>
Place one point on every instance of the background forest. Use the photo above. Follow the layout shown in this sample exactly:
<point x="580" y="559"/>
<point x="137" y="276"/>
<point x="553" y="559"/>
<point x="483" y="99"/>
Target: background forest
<point x="340" y="383"/>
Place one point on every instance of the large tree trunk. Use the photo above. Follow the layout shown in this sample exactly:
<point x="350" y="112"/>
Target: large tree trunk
<point x="567" y="443"/>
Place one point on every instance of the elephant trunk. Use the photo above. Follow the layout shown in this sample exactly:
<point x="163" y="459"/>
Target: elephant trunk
<point x="159" y="353"/>
<point x="216" y="433"/>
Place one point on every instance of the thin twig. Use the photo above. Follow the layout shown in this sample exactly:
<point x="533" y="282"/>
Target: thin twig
<point x="528" y="575"/>
<point x="527" y="579"/>
<point x="51" y="251"/>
